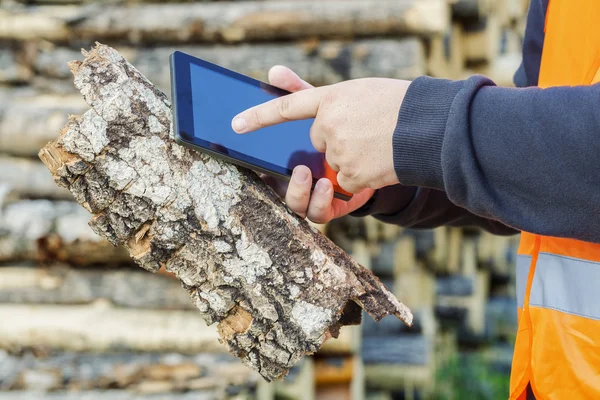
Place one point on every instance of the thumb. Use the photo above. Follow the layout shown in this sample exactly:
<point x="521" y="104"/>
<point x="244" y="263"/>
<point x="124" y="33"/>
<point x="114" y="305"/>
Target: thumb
<point x="286" y="79"/>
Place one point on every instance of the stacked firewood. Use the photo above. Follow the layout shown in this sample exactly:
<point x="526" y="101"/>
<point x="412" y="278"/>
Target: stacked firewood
<point x="79" y="319"/>
<point x="460" y="286"/>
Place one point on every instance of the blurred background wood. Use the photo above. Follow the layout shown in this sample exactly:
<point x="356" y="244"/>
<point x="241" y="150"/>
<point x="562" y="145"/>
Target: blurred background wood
<point x="459" y="282"/>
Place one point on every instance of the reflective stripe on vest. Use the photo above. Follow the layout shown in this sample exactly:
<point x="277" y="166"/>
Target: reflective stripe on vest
<point x="566" y="284"/>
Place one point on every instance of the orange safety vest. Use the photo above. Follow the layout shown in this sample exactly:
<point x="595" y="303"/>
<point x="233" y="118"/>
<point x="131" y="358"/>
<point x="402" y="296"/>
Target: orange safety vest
<point x="557" y="349"/>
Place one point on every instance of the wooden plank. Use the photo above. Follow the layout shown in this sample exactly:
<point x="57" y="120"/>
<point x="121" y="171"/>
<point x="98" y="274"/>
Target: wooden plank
<point x="102" y="327"/>
<point x="44" y="230"/>
<point x="225" y="21"/>
<point x="318" y="62"/>
<point x="63" y="285"/>
<point x="30" y="179"/>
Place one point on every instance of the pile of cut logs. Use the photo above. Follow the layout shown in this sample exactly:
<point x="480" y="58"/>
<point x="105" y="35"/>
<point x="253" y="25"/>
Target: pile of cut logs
<point x="78" y="319"/>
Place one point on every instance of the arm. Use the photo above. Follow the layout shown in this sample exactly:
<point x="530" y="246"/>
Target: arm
<point x="525" y="157"/>
<point x="428" y="208"/>
<point x="353" y="122"/>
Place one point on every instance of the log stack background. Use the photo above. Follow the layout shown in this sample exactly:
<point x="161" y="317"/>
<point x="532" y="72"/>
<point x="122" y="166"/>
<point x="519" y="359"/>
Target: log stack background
<point x="78" y="320"/>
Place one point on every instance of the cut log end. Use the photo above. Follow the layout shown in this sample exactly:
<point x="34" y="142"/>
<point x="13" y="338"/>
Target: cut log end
<point x="277" y="288"/>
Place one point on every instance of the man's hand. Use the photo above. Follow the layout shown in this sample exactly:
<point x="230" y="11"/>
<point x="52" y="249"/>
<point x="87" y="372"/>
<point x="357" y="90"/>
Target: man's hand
<point x="321" y="207"/>
<point x="354" y="124"/>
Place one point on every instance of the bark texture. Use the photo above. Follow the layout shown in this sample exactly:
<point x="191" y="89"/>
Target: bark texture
<point x="277" y="287"/>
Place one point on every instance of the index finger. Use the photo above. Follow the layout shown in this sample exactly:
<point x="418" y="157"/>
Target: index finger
<point x="295" y="106"/>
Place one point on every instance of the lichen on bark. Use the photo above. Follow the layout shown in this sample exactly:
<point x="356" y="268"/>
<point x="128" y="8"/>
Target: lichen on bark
<point x="276" y="286"/>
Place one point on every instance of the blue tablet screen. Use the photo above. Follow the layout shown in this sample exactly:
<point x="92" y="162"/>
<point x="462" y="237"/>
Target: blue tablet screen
<point x="207" y="97"/>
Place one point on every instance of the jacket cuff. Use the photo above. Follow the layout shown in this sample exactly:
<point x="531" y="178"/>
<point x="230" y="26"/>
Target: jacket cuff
<point x="388" y="200"/>
<point x="419" y="133"/>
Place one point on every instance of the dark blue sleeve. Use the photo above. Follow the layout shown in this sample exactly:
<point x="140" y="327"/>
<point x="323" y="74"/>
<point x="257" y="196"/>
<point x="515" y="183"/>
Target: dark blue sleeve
<point x="423" y="208"/>
<point x="527" y="157"/>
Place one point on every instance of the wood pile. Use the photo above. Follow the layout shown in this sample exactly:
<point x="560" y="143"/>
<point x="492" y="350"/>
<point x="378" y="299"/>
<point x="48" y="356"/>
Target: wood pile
<point x="85" y="322"/>
<point x="453" y="280"/>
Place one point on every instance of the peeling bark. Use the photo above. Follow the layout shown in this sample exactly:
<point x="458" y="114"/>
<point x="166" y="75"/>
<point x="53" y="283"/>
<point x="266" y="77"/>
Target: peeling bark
<point x="277" y="287"/>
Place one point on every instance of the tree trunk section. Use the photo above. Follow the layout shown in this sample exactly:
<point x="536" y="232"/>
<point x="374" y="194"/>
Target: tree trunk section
<point x="139" y="373"/>
<point x="317" y="62"/>
<point x="29" y="120"/>
<point x="101" y="327"/>
<point x="44" y="230"/>
<point x="22" y="284"/>
<point x="29" y="178"/>
<point x="226" y="21"/>
<point x="277" y="287"/>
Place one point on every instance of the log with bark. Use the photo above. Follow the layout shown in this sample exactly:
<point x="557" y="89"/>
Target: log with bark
<point x="141" y="373"/>
<point x="102" y="327"/>
<point x="107" y="395"/>
<point x="29" y="120"/>
<point x="29" y="179"/>
<point x="59" y="284"/>
<point x="225" y="21"/>
<point x="45" y="230"/>
<point x="277" y="287"/>
<point x="318" y="62"/>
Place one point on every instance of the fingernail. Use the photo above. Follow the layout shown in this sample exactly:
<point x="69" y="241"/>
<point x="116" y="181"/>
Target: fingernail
<point x="300" y="175"/>
<point x="321" y="187"/>
<point x="239" y="124"/>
